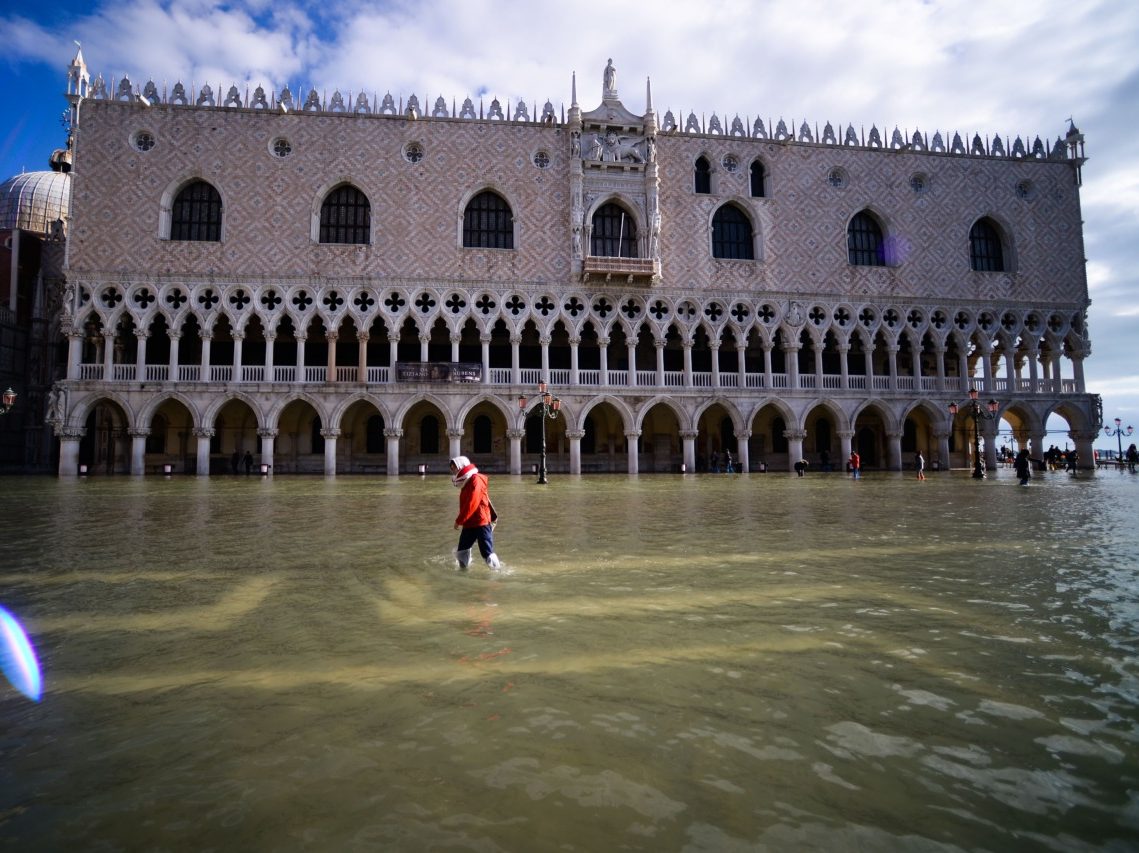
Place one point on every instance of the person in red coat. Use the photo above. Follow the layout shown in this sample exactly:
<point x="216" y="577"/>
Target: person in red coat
<point x="476" y="514"/>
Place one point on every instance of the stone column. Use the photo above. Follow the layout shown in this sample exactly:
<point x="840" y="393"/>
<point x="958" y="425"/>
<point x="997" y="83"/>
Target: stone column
<point x="986" y="353"/>
<point x="1010" y="369"/>
<point x="268" y="440"/>
<point x="140" y="336"/>
<point x="963" y="370"/>
<point x="939" y="354"/>
<point x="424" y="340"/>
<point x="631" y="349"/>
<point x="714" y="346"/>
<point x="544" y="343"/>
<point x="741" y="354"/>
<point x="659" y="346"/>
<point x="688" y="441"/>
<point x="892" y="363"/>
<point x="989" y="431"/>
<point x="393" y="355"/>
<point x="1034" y="370"/>
<point x="301" y="339"/>
<point x="894" y="450"/>
<point x="516" y="436"/>
<point x="74" y="353"/>
<point x="362" y="357"/>
<point x="175" y="338"/>
<point x="844" y="441"/>
<point x="633" y="439"/>
<point x="603" y="347"/>
<point x="687" y="363"/>
<point x="455" y="340"/>
<point x="515" y="366"/>
<point x="794" y="446"/>
<point x="108" y="356"/>
<point x="393" y="435"/>
<point x="818" y="350"/>
<point x="203" y="436"/>
<point x="1078" y="372"/>
<point x="69" y="438"/>
<point x="844" y="365"/>
<point x="138" y="451"/>
<point x="238" y="340"/>
<point x="331" y="338"/>
<point x="270" y="341"/>
<point x="330" y="436"/>
<point x="574" y="343"/>
<point x="1084" y="442"/>
<point x="941" y="436"/>
<point x="1038" y="440"/>
<point x="791" y="358"/>
<point x="575" y="436"/>
<point x="204" y="367"/>
<point x="484" y="341"/>
<point x="455" y="442"/>
<point x="743" y="451"/>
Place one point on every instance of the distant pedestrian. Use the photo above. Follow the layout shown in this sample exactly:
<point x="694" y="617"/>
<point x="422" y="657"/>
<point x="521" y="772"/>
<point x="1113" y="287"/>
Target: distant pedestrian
<point x="476" y="518"/>
<point x="248" y="463"/>
<point x="1072" y="461"/>
<point x="854" y="463"/>
<point x="1023" y="466"/>
<point x="919" y="465"/>
<point x="801" y="467"/>
<point x="1132" y="458"/>
<point x="727" y="462"/>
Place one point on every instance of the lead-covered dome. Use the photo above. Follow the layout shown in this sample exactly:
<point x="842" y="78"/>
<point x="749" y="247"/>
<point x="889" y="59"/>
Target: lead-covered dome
<point x="33" y="201"/>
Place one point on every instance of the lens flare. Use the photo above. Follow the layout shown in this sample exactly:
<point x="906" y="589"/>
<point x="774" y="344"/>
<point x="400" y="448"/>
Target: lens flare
<point x="18" y="658"/>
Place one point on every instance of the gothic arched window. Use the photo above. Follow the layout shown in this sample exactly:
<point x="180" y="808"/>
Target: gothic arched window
<point x="731" y="234"/>
<point x="985" y="252"/>
<point x="703" y="176"/>
<point x="614" y="233"/>
<point x="757" y="179"/>
<point x="484" y="440"/>
<point x="196" y="215"/>
<point x="864" y="244"/>
<point x="488" y="222"/>
<point x="346" y="217"/>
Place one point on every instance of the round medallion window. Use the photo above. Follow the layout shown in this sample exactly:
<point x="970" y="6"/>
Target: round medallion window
<point x="281" y="147"/>
<point x="143" y="140"/>
<point x="730" y="163"/>
<point x="413" y="152"/>
<point x="542" y="160"/>
<point x="837" y="178"/>
<point x="919" y="183"/>
<point x="1025" y="190"/>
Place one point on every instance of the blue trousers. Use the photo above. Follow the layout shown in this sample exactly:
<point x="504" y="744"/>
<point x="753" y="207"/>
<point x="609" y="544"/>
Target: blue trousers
<point x="483" y="535"/>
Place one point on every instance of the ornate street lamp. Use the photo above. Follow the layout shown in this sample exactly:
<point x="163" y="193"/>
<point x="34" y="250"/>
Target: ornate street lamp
<point x="987" y="412"/>
<point x="1118" y="432"/>
<point x="550" y="406"/>
<point x="7" y="401"/>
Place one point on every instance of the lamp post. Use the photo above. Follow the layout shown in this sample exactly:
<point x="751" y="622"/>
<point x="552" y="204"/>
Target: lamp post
<point x="1118" y="432"/>
<point x="7" y="401"/>
<point x="550" y="406"/>
<point x="987" y="412"/>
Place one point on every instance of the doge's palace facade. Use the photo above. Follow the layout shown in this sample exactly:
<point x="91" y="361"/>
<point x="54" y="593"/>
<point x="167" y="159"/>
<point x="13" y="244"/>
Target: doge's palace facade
<point x="351" y="283"/>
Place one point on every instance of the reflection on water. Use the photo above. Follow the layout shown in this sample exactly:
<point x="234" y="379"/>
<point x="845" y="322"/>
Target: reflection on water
<point x="666" y="663"/>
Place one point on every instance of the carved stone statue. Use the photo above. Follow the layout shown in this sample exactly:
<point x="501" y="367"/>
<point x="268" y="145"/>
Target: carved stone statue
<point x="610" y="81"/>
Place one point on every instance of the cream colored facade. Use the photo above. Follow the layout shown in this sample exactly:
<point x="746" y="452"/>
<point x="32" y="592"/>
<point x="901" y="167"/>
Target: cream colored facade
<point x="267" y="340"/>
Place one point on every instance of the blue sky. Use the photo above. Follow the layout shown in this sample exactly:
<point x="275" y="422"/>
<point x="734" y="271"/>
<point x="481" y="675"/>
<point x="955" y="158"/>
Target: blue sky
<point x="1012" y="68"/>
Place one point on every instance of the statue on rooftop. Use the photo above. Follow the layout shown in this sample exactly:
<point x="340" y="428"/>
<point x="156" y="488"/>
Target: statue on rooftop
<point x="610" y="90"/>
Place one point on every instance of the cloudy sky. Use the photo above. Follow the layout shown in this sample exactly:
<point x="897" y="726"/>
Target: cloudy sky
<point x="1013" y="68"/>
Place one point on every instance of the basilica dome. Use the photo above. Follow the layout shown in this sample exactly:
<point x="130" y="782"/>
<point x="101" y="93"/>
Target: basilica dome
<point x="34" y="201"/>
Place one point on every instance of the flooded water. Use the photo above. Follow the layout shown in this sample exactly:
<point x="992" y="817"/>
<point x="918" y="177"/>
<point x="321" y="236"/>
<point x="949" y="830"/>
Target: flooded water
<point x="701" y="663"/>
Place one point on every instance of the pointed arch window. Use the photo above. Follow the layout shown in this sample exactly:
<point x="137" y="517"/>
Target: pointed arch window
<point x="488" y="222"/>
<point x="732" y="235"/>
<point x="985" y="252"/>
<point x="614" y="233"/>
<point x="703" y="176"/>
<point x="346" y="217"/>
<point x="196" y="214"/>
<point x="864" y="244"/>
<point x="758" y="176"/>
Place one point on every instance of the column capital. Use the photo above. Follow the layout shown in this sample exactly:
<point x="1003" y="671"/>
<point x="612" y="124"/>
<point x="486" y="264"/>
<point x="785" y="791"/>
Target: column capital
<point x="743" y="435"/>
<point x="893" y="434"/>
<point x="545" y="340"/>
<point x="330" y="433"/>
<point x="363" y="337"/>
<point x="138" y="432"/>
<point x="575" y="434"/>
<point x="142" y="333"/>
<point x="456" y="433"/>
<point x="631" y="434"/>
<point x="844" y="433"/>
<point x="70" y="433"/>
<point x="267" y="433"/>
<point x="203" y="432"/>
<point x="238" y="334"/>
<point x="688" y="434"/>
<point x="516" y="434"/>
<point x="393" y="432"/>
<point x="794" y="434"/>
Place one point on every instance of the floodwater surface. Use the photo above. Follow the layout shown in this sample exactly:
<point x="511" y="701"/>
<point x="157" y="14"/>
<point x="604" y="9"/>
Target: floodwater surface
<point x="699" y="663"/>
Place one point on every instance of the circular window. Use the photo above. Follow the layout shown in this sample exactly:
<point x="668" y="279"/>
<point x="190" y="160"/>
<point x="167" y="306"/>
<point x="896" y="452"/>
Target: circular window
<point x="919" y="183"/>
<point x="281" y="147"/>
<point x="837" y="178"/>
<point x="1025" y="190"/>
<point x="730" y="163"/>
<point x="413" y="152"/>
<point x="143" y="140"/>
<point x="542" y="160"/>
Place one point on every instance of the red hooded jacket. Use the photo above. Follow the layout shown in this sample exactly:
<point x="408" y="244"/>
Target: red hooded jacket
<point x="474" y="503"/>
